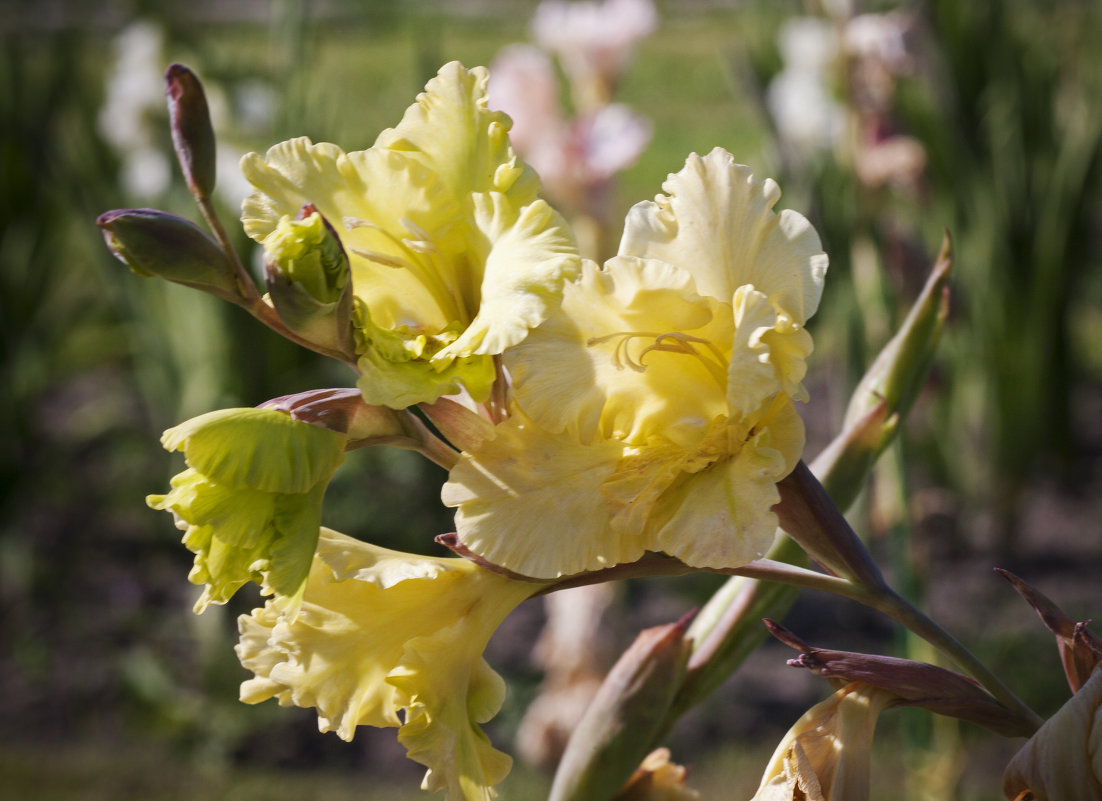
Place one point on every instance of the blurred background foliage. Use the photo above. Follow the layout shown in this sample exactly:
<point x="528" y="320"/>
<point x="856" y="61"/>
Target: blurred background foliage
<point x="104" y="672"/>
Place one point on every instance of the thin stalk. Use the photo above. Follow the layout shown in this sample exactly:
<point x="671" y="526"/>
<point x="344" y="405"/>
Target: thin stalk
<point x="901" y="611"/>
<point x="245" y="284"/>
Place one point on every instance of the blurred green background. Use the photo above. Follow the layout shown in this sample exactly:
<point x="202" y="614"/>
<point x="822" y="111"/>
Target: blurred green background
<point x="111" y="688"/>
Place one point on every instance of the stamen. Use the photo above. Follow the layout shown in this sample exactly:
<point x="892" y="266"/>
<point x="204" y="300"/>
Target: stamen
<point x="358" y="222"/>
<point x="712" y="360"/>
<point x="430" y="271"/>
<point x="379" y="258"/>
<point x="414" y="229"/>
<point x="421" y="246"/>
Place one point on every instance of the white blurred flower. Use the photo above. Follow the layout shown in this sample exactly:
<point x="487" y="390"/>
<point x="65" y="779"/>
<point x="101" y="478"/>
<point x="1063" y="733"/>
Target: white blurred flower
<point x="807" y="118"/>
<point x="133" y="104"/>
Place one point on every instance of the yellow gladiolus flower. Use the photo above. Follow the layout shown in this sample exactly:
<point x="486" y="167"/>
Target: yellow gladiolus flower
<point x="382" y="632"/>
<point x="825" y="756"/>
<point x="453" y="256"/>
<point x="250" y="500"/>
<point x="653" y="410"/>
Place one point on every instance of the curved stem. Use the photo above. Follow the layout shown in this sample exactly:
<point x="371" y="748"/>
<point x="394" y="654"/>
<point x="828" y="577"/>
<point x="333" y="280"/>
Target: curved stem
<point x="901" y="611"/>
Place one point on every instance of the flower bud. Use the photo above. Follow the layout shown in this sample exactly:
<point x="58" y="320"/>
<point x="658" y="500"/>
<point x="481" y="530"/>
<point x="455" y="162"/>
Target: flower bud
<point x="615" y="734"/>
<point x="152" y="242"/>
<point x="309" y="280"/>
<point x="826" y="755"/>
<point x="899" y="371"/>
<point x="192" y="134"/>
<point x="912" y="683"/>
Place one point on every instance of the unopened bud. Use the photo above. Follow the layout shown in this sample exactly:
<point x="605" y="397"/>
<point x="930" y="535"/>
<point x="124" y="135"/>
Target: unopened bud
<point x="614" y="735"/>
<point x="899" y="371"/>
<point x="915" y="683"/>
<point x="192" y="134"/>
<point x="310" y="281"/>
<point x="152" y="242"/>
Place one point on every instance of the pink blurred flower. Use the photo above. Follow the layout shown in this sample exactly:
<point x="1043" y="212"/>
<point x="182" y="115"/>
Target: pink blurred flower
<point x="594" y="41"/>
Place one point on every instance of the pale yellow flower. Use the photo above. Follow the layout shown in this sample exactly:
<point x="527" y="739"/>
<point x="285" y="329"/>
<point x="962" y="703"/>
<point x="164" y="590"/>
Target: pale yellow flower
<point x="381" y="633"/>
<point x="250" y="500"/>
<point x="825" y="756"/>
<point x="654" y="408"/>
<point x="453" y="256"/>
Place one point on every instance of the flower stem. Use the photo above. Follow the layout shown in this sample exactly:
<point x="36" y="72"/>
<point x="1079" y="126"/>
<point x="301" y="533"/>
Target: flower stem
<point x="901" y="611"/>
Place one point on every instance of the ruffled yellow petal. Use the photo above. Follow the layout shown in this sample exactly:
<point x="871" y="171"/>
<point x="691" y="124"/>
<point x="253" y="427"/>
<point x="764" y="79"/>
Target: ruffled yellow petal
<point x="382" y="633"/>
<point x="658" y="398"/>
<point x="526" y="255"/>
<point x="250" y="504"/>
<point x="453" y="256"/>
<point x="718" y="223"/>
<point x="453" y="132"/>
<point x="722" y="515"/>
<point x="532" y="501"/>
<point x="768" y="353"/>
<point x="383" y="204"/>
<point x="629" y="355"/>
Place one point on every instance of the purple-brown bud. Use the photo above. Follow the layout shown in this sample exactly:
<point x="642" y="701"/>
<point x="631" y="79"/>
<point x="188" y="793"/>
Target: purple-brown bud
<point x="914" y="683"/>
<point x="192" y="134"/>
<point x="152" y="242"/>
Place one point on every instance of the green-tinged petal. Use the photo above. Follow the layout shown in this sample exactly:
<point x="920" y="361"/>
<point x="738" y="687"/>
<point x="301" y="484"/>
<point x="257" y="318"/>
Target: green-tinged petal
<point x="381" y="633"/>
<point x="528" y="254"/>
<point x="474" y="155"/>
<point x="261" y="449"/>
<point x="599" y="366"/>
<point x="250" y="502"/>
<point x="441" y="713"/>
<point x="531" y="500"/>
<point x="718" y="222"/>
<point x="400" y="383"/>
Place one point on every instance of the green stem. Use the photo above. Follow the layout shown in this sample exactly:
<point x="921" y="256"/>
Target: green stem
<point x="244" y="283"/>
<point x="898" y="609"/>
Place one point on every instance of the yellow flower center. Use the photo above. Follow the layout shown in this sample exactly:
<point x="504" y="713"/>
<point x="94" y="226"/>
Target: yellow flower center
<point x="704" y="350"/>
<point x="423" y="258"/>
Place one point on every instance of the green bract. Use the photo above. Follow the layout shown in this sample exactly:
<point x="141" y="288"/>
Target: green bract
<point x="250" y="500"/>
